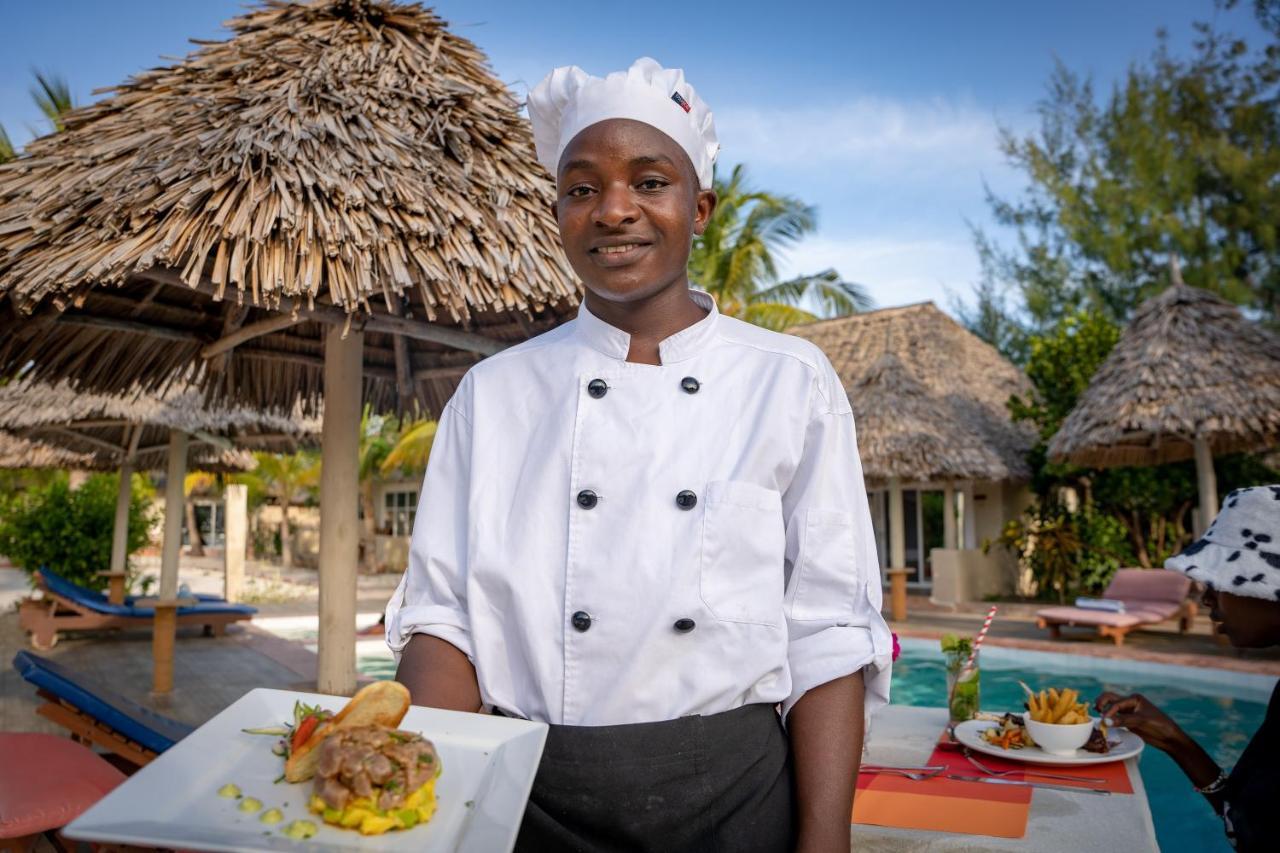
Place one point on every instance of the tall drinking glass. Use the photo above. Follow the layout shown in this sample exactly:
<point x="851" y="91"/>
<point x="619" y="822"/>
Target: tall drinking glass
<point x="962" y="687"/>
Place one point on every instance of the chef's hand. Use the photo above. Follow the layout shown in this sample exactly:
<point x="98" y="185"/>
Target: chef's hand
<point x="1138" y="715"/>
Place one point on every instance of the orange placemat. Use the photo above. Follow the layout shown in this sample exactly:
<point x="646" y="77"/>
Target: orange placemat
<point x="973" y="808"/>
<point x="943" y="805"/>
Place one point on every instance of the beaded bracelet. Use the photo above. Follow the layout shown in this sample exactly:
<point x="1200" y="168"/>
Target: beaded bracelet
<point x="1215" y="786"/>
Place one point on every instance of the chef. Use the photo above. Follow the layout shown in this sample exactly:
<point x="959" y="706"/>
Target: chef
<point x="648" y="527"/>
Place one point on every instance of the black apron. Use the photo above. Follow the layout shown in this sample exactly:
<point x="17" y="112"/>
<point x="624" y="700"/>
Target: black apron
<point x="697" y="784"/>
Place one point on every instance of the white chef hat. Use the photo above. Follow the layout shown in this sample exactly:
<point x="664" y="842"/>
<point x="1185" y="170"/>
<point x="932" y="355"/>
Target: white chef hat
<point x="569" y="100"/>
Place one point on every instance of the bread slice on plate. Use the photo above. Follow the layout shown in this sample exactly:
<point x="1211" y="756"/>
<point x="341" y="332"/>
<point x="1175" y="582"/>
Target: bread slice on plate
<point x="383" y="703"/>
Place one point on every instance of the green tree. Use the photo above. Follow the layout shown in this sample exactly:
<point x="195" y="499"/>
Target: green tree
<point x="6" y="146"/>
<point x="412" y="449"/>
<point x="289" y="479"/>
<point x="735" y="259"/>
<point x="70" y="531"/>
<point x="1181" y="160"/>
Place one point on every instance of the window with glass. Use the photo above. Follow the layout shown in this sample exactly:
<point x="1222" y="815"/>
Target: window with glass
<point x="401" y="508"/>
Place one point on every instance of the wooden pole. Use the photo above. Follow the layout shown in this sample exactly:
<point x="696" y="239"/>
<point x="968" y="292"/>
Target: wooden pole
<point x="339" y="523"/>
<point x="1207" y="484"/>
<point x="969" y="518"/>
<point x="117" y="572"/>
<point x="162" y="643"/>
<point x="163" y="636"/>
<point x="120" y="534"/>
<point x="897" y="553"/>
<point x="949" y="540"/>
<point x="236" y="528"/>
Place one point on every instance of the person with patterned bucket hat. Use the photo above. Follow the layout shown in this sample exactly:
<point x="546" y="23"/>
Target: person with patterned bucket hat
<point x="1238" y="562"/>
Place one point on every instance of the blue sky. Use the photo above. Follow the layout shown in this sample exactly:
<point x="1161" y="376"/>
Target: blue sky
<point x="883" y="115"/>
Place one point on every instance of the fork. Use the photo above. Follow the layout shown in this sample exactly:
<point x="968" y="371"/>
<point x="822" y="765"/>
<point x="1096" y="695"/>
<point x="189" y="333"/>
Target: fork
<point x="1029" y="772"/>
<point x="915" y="774"/>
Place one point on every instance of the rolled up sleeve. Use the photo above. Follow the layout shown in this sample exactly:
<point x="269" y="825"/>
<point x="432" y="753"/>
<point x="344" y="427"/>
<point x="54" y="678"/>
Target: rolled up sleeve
<point x="432" y="595"/>
<point x="833" y="596"/>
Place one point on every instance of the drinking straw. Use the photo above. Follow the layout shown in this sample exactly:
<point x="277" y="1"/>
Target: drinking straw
<point x="982" y="635"/>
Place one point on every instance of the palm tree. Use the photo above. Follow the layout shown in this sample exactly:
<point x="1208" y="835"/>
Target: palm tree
<point x="734" y="259"/>
<point x="196" y="483"/>
<point x="289" y="479"/>
<point x="413" y="449"/>
<point x="6" y="146"/>
<point x="53" y="96"/>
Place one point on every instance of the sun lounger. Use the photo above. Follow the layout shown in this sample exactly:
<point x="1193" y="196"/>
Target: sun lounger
<point x="95" y="714"/>
<point x="67" y="606"/>
<point x="1150" y="596"/>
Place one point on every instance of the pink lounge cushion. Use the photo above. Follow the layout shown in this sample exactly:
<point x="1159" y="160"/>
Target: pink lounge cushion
<point x="48" y="781"/>
<point x="1152" y="611"/>
<point x="1082" y="616"/>
<point x="1149" y="585"/>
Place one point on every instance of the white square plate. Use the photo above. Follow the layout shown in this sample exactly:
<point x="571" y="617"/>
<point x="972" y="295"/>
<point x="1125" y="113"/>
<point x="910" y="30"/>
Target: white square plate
<point x="488" y="769"/>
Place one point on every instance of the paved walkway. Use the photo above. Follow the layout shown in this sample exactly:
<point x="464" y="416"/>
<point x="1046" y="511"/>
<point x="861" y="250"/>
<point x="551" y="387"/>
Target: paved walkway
<point x="209" y="673"/>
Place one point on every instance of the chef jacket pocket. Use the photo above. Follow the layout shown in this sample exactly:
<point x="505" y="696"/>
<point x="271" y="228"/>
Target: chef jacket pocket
<point x="743" y="549"/>
<point x="827" y="581"/>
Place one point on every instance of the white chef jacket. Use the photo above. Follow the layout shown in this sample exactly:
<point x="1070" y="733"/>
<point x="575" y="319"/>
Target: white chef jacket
<point x="551" y="548"/>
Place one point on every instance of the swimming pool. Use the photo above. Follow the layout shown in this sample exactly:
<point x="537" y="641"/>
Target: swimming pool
<point x="1219" y="709"/>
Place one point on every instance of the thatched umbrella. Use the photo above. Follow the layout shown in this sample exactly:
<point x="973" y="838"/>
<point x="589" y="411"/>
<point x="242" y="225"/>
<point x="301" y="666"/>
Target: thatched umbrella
<point x="339" y="197"/>
<point x="170" y="431"/>
<point x="18" y="452"/>
<point x="1189" y="377"/>
<point x="934" y="411"/>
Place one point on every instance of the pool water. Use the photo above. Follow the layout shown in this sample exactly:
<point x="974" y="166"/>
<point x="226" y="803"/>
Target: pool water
<point x="1222" y="724"/>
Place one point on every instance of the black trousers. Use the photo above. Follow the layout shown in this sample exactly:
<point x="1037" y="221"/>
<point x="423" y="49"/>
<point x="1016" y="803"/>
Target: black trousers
<point x="698" y="784"/>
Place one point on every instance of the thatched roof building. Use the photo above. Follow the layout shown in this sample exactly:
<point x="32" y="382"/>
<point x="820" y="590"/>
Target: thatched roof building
<point x="929" y="396"/>
<point x="98" y="430"/>
<point x="1188" y="366"/>
<point x="906" y="432"/>
<point x="347" y="162"/>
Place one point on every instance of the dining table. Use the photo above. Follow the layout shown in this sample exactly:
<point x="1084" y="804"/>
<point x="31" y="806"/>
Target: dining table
<point x="1058" y="820"/>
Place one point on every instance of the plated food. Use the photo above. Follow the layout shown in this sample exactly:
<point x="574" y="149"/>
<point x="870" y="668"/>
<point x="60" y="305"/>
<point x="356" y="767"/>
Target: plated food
<point x="1056" y="707"/>
<point x="1058" y="723"/>
<point x="1009" y="734"/>
<point x="368" y="775"/>
<point x="375" y="779"/>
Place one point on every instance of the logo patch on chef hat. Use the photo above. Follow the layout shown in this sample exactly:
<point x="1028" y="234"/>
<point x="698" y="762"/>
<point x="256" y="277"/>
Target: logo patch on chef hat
<point x="684" y="105"/>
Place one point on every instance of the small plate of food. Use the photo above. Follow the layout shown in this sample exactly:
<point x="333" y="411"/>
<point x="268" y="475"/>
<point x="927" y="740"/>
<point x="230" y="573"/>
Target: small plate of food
<point x="280" y="770"/>
<point x="1054" y="729"/>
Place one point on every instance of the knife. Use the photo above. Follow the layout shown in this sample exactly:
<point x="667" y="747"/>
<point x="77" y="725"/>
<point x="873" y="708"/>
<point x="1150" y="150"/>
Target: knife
<point x="990" y="780"/>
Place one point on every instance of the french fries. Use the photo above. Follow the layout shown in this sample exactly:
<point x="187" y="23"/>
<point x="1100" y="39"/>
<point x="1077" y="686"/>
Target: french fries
<point x="1056" y="706"/>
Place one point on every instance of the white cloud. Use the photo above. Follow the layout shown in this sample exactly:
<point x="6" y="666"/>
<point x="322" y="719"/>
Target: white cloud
<point x="895" y="269"/>
<point x="877" y="138"/>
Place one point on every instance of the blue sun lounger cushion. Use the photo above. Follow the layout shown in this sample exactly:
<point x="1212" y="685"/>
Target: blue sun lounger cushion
<point x="141" y="725"/>
<point x="96" y="601"/>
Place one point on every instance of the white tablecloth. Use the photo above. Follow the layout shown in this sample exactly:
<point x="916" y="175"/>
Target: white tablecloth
<point x="1059" y="821"/>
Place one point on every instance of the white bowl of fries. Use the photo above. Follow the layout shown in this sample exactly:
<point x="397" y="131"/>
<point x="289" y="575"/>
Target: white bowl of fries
<point x="1057" y="722"/>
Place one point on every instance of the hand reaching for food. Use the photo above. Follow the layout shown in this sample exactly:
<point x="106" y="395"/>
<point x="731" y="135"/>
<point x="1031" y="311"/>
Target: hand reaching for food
<point x="1141" y="717"/>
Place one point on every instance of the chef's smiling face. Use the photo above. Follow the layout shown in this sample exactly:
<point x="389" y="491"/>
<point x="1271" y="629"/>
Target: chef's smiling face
<point x="628" y="206"/>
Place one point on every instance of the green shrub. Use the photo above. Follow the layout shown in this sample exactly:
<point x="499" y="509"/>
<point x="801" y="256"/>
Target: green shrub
<point x="1068" y="553"/>
<point x="70" y="531"/>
